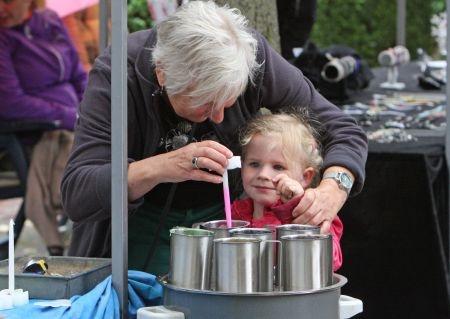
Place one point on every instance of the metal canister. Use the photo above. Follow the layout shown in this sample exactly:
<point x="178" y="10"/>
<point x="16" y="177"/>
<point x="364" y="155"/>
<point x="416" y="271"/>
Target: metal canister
<point x="267" y="251"/>
<point x="306" y="262"/>
<point x="220" y="230"/>
<point x="190" y="257"/>
<point x="290" y="229"/>
<point x="237" y="260"/>
<point x="294" y="229"/>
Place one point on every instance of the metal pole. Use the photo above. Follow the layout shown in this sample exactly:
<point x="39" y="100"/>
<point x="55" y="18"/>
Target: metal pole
<point x="401" y="22"/>
<point x="119" y="194"/>
<point x="447" y="136"/>
<point x="104" y="19"/>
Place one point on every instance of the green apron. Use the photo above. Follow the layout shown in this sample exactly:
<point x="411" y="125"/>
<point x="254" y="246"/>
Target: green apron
<point x="142" y="226"/>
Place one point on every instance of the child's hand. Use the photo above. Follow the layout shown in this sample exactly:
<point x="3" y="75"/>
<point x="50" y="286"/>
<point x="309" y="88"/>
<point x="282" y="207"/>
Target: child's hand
<point x="287" y="187"/>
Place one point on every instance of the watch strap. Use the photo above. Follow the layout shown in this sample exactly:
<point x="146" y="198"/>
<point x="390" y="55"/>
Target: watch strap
<point x="337" y="177"/>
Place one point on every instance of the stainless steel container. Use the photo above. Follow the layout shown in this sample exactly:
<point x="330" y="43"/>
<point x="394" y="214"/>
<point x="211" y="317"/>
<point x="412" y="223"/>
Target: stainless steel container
<point x="290" y="229"/>
<point x="237" y="264"/>
<point x="267" y="251"/>
<point x="306" y="262"/>
<point x="293" y="229"/>
<point x="312" y="304"/>
<point x="190" y="257"/>
<point x="220" y="229"/>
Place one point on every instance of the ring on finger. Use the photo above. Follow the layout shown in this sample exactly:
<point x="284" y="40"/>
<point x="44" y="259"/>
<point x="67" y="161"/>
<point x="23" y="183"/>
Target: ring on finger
<point x="195" y="162"/>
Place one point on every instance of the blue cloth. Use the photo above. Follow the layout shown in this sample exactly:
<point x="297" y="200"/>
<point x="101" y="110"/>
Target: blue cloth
<point x="101" y="302"/>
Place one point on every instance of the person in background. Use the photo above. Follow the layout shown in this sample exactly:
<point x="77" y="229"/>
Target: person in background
<point x="83" y="27"/>
<point x="41" y="79"/>
<point x="296" y="19"/>
<point x="280" y="159"/>
<point x="193" y="81"/>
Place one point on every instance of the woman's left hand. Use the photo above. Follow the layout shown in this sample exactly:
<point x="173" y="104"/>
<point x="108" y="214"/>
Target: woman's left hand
<point x="319" y="206"/>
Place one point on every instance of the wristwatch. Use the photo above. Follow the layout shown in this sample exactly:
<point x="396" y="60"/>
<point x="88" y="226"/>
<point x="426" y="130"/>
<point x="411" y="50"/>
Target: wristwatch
<point x="343" y="179"/>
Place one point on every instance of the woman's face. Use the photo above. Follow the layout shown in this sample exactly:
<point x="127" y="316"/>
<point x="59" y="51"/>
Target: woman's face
<point x="264" y="160"/>
<point x="182" y="106"/>
<point x="14" y="12"/>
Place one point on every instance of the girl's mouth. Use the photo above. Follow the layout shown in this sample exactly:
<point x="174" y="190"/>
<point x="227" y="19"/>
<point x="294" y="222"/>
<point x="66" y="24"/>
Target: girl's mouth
<point x="264" y="188"/>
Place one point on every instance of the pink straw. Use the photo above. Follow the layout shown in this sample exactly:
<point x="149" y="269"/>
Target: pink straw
<point x="226" y="198"/>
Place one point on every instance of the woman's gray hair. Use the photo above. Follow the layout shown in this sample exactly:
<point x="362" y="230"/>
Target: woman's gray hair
<point x="206" y="52"/>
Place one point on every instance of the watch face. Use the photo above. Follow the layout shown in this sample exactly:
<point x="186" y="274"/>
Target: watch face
<point x="346" y="181"/>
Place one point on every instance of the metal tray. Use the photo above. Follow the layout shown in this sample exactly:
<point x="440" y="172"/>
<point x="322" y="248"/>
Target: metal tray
<point x="78" y="275"/>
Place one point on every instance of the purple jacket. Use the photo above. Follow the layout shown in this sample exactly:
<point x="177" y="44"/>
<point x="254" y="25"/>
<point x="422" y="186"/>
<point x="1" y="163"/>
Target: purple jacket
<point x="41" y="77"/>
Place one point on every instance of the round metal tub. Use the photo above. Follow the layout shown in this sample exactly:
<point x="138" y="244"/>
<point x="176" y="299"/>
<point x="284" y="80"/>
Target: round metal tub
<point x="206" y="304"/>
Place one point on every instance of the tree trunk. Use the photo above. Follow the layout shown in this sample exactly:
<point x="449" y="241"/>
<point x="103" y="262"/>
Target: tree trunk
<point x="262" y="15"/>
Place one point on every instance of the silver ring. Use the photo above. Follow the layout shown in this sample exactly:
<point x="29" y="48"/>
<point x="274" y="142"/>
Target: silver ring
<point x="195" y="162"/>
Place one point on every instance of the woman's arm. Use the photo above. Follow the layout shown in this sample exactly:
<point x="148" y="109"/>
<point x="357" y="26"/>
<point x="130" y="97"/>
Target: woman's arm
<point x="176" y="166"/>
<point x="86" y="184"/>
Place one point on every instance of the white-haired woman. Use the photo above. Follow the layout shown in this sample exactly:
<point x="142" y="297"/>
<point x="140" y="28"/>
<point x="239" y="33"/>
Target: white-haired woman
<point x="193" y="82"/>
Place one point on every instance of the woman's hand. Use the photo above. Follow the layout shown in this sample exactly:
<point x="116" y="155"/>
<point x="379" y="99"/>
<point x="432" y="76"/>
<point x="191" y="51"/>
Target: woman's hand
<point x="319" y="206"/>
<point x="287" y="187"/>
<point x="178" y="166"/>
<point x="212" y="159"/>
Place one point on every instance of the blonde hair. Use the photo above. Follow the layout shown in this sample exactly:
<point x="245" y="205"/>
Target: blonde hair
<point x="298" y="137"/>
<point x="206" y="52"/>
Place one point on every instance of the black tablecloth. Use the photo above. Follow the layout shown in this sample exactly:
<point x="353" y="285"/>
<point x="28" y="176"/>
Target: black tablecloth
<point x="396" y="232"/>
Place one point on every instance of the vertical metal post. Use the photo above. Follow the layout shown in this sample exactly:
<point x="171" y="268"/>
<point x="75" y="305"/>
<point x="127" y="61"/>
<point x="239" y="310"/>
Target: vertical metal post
<point x="401" y="22"/>
<point x="104" y="20"/>
<point x="119" y="194"/>
<point x="447" y="136"/>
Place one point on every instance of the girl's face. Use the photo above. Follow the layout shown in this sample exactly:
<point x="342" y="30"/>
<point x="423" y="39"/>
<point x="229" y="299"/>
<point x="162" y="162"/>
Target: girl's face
<point x="263" y="161"/>
<point x="13" y="12"/>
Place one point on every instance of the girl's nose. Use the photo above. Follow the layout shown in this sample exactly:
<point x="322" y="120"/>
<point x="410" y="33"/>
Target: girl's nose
<point x="265" y="173"/>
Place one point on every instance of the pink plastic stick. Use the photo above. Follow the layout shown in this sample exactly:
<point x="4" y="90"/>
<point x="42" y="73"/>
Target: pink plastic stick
<point x="226" y="198"/>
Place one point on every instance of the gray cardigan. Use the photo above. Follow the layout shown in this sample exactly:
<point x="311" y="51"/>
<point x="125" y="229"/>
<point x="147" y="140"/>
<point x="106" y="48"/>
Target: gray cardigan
<point x="86" y="183"/>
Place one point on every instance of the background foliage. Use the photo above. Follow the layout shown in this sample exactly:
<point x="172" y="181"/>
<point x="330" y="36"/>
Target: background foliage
<point x="138" y="15"/>
<point x="369" y="26"/>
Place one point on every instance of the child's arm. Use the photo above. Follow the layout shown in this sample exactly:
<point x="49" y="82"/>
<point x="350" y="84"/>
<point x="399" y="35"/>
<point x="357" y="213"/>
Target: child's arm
<point x="287" y="187"/>
<point x="336" y="231"/>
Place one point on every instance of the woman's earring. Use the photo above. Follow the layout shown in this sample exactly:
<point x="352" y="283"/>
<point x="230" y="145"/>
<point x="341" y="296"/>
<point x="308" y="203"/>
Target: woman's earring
<point x="159" y="91"/>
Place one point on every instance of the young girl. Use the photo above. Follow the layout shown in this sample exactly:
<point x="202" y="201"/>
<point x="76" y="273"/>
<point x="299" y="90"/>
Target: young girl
<point x="280" y="159"/>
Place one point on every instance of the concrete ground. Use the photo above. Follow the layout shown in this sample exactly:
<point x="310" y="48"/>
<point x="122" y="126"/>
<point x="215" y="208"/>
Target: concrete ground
<point x="29" y="242"/>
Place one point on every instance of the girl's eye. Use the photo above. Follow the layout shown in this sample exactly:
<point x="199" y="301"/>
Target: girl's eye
<point x="253" y="164"/>
<point x="278" y="167"/>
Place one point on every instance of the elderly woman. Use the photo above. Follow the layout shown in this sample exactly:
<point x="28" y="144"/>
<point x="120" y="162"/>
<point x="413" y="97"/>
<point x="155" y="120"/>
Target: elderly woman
<point x="41" y="79"/>
<point x="197" y="77"/>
